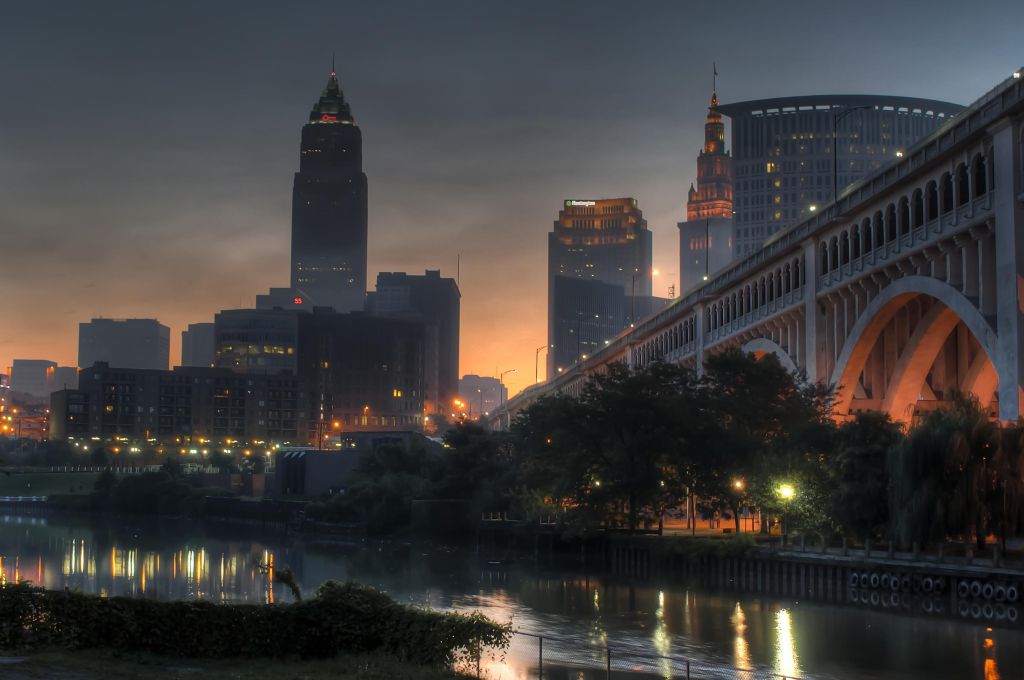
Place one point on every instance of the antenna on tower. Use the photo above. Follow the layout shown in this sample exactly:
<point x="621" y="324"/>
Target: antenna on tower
<point x="333" y="71"/>
<point x="714" y="78"/>
<point x="458" y="268"/>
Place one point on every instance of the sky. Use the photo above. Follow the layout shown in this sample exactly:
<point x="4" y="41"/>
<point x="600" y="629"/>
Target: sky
<point x="147" y="149"/>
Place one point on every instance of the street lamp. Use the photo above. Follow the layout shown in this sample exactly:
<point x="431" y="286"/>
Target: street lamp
<point x="707" y="248"/>
<point x="501" y="383"/>
<point x="536" y="362"/>
<point x="786" y="493"/>
<point x="836" y="117"/>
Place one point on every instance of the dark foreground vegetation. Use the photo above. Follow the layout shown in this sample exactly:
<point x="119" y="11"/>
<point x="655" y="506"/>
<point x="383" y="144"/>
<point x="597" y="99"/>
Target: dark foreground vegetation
<point x="340" y="619"/>
<point x="105" y="665"/>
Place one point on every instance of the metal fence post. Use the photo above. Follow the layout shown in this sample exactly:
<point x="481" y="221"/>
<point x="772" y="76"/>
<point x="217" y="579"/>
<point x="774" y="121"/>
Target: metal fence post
<point x="609" y="662"/>
<point x="687" y="670"/>
<point x="540" y="657"/>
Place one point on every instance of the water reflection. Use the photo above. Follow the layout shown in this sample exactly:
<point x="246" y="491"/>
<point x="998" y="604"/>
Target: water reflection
<point x="581" y="613"/>
<point x="786" y="661"/>
<point x="741" y="653"/>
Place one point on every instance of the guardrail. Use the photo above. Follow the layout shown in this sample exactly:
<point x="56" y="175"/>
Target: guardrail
<point x="23" y="499"/>
<point x="555" y="656"/>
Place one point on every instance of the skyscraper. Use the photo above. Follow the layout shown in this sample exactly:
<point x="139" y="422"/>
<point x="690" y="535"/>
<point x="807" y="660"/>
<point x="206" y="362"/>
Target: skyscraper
<point x="434" y="301"/>
<point x="790" y="152"/>
<point x="124" y="343"/>
<point x="599" y="262"/>
<point x="197" y="345"/>
<point x="329" y="220"/>
<point x="705" y="238"/>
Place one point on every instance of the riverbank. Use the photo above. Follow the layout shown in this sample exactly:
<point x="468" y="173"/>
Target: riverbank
<point x="107" y="666"/>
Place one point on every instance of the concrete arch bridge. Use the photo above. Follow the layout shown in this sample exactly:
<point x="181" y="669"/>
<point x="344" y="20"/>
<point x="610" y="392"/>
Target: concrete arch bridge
<point x="908" y="288"/>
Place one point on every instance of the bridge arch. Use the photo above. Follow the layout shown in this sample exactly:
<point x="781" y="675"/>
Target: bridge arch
<point x="948" y="308"/>
<point x="762" y="346"/>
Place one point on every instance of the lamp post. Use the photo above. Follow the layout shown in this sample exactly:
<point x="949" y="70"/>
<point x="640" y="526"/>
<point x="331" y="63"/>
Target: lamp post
<point x="836" y="117"/>
<point x="707" y="248"/>
<point x="786" y="492"/>
<point x="536" y="363"/>
<point x="501" y="383"/>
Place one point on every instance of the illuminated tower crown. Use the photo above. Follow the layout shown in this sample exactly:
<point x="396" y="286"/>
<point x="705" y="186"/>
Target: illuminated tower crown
<point x="712" y="198"/>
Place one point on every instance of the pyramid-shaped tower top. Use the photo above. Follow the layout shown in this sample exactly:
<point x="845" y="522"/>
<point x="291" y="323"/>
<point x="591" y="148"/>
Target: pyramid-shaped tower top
<point x="332" y="107"/>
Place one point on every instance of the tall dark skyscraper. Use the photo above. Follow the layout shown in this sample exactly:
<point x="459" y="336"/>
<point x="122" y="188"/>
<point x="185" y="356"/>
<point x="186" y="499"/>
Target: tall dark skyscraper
<point x="329" y="207"/>
<point x="599" y="276"/>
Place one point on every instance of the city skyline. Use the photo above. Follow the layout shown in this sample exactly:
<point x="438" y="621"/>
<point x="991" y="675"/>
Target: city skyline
<point x="461" y="156"/>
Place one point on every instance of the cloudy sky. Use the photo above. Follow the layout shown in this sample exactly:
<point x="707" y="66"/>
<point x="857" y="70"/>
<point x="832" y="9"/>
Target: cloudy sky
<point x="147" y="149"/>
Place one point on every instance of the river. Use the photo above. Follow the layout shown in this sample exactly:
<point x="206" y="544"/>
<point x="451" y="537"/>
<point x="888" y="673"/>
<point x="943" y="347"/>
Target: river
<point x="648" y="625"/>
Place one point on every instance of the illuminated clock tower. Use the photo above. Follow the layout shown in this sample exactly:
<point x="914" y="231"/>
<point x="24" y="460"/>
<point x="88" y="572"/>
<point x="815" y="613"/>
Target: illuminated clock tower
<point x="329" y="220"/>
<point x="705" y="238"/>
<point x="713" y="196"/>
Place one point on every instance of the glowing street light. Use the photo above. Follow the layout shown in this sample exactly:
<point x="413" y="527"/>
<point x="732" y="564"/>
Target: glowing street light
<point x="738" y="484"/>
<point x="787" y="492"/>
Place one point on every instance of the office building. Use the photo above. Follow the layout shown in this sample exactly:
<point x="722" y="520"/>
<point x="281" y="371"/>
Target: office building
<point x="31" y="376"/>
<point x="187" y="405"/>
<point x="783" y="158"/>
<point x="329" y="215"/>
<point x="705" y="238"/>
<point x="282" y="298"/>
<point x="39" y="377"/>
<point x="257" y="340"/>
<point x="433" y="301"/>
<point x="482" y="394"/>
<point x="197" y="345"/>
<point x="358" y="372"/>
<point x="127" y="343"/>
<point x="595" y="247"/>
<point x="62" y="378"/>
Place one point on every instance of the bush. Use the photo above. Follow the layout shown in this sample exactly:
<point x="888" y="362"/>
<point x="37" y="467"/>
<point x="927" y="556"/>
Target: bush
<point x="347" y="618"/>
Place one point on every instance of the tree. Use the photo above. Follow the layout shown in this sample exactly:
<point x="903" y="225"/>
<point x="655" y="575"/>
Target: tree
<point x="225" y="463"/>
<point x="609" y="452"/>
<point x="765" y="427"/>
<point x="943" y="478"/>
<point x="859" y="477"/>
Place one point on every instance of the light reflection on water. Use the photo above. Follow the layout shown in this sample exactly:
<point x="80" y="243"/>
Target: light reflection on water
<point x="581" y="614"/>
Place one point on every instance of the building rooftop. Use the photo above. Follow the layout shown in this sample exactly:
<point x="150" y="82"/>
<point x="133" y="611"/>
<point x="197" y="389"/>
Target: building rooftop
<point x="812" y="102"/>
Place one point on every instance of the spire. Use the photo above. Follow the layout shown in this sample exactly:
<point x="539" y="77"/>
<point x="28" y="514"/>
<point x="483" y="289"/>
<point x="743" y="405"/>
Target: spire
<point x="331" y="107"/>
<point x="714" y="85"/>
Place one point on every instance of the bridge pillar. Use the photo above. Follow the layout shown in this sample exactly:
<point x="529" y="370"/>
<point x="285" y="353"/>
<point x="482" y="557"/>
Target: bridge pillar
<point x="814" y="320"/>
<point x="699" y="339"/>
<point x="1009" y="268"/>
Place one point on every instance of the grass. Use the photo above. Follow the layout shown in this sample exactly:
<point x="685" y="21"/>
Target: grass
<point x="95" y="665"/>
<point x="46" y="483"/>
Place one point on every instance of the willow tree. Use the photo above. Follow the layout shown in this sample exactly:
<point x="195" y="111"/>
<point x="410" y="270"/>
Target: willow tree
<point x="943" y="478"/>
